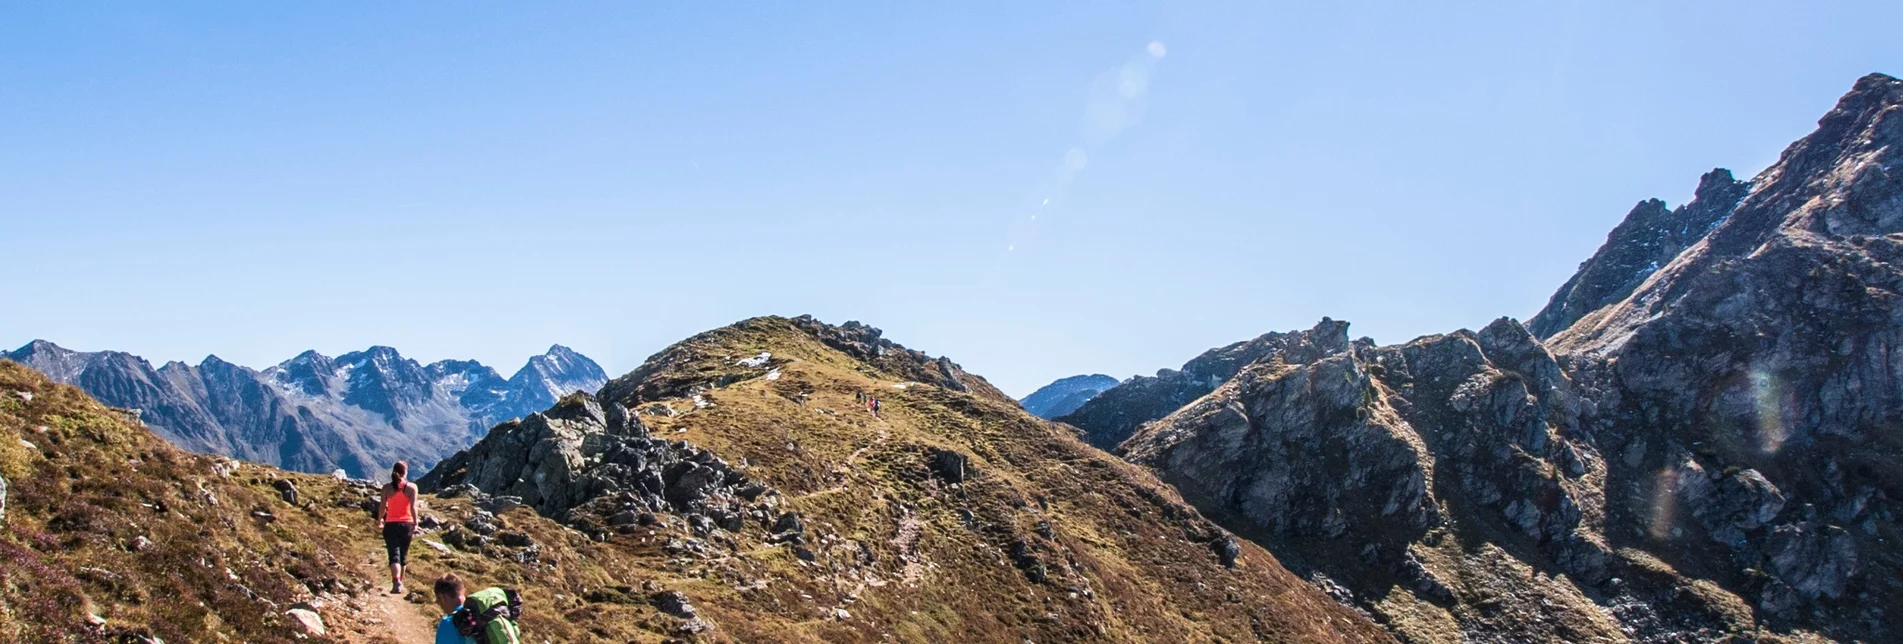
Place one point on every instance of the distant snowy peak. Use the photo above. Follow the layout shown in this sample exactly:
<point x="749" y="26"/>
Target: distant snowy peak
<point x="556" y="373"/>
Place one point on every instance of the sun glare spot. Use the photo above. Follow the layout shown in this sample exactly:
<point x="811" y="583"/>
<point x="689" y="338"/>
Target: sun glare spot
<point x="1768" y="395"/>
<point x="1074" y="160"/>
<point x="1664" y="504"/>
<point x="1156" y="49"/>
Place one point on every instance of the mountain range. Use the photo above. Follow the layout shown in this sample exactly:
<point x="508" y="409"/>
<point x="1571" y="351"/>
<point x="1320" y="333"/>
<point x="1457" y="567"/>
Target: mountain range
<point x="357" y="412"/>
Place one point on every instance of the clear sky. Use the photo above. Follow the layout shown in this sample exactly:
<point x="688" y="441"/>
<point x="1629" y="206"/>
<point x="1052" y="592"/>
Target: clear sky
<point x="1034" y="189"/>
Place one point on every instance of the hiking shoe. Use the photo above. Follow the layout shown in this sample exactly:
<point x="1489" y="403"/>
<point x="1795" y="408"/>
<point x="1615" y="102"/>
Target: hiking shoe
<point x="396" y="588"/>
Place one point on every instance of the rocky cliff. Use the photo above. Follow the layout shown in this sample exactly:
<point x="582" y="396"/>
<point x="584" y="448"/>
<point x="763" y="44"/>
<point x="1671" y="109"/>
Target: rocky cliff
<point x="1113" y="415"/>
<point x="1700" y="449"/>
<point x="357" y="412"/>
<point x="1065" y="395"/>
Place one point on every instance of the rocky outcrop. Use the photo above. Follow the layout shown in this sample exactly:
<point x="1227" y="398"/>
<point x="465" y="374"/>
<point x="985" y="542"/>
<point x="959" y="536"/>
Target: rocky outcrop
<point x="1703" y="450"/>
<point x="1113" y="415"/>
<point x="1649" y="237"/>
<point x="1369" y="466"/>
<point x="357" y="412"/>
<point x="1065" y="395"/>
<point x="597" y="467"/>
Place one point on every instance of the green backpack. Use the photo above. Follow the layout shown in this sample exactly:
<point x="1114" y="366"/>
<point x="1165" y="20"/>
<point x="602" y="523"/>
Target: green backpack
<point x="489" y="615"/>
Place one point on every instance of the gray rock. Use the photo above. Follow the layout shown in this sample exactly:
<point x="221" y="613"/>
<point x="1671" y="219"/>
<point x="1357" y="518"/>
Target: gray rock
<point x="950" y="466"/>
<point x="286" y="490"/>
<point x="673" y="602"/>
<point x="1226" y="550"/>
<point x="306" y="621"/>
<point x="1814" y="560"/>
<point x="581" y="458"/>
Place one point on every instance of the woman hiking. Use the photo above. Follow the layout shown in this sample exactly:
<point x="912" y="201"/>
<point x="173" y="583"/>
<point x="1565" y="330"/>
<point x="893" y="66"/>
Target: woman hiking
<point x="397" y="516"/>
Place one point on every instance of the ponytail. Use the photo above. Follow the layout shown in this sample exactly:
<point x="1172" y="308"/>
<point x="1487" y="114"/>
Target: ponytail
<point x="398" y="472"/>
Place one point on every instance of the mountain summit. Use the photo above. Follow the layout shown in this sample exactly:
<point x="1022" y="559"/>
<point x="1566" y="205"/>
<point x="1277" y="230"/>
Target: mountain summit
<point x="356" y="412"/>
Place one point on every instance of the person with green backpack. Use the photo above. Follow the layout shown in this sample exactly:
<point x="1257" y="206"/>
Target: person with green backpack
<point x="487" y="616"/>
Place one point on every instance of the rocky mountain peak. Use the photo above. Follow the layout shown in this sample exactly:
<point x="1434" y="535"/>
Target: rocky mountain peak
<point x="558" y="372"/>
<point x="1065" y="395"/>
<point x="1702" y="443"/>
<point x="1649" y="237"/>
<point x="55" y="361"/>
<point x="1826" y="192"/>
<point x="1115" y="414"/>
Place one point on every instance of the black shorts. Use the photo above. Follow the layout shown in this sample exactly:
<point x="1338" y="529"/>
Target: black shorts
<point x="396" y="541"/>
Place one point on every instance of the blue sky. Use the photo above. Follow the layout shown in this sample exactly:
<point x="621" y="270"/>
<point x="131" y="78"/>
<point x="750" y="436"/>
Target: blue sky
<point x="1035" y="189"/>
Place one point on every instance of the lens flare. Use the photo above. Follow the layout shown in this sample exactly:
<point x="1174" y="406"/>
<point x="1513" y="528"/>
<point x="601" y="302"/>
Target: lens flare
<point x="1664" y="504"/>
<point x="1768" y="394"/>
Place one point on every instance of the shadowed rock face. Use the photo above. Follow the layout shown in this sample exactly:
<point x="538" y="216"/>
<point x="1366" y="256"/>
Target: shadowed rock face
<point x="1113" y="415"/>
<point x="1705" y="448"/>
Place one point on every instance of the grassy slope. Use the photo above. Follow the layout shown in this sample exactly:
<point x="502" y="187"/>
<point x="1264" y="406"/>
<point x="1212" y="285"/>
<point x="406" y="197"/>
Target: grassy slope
<point x="1126" y="559"/>
<point x="908" y="557"/>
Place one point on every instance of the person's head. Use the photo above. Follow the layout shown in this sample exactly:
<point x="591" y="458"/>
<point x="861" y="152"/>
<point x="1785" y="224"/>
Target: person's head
<point x="449" y="592"/>
<point x="399" y="472"/>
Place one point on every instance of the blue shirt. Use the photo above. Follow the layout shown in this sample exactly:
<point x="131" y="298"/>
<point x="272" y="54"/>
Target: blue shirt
<point x="446" y="633"/>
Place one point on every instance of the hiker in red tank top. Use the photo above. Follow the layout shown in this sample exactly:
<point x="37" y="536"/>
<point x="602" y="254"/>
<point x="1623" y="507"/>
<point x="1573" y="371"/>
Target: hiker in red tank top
<point x="397" y="516"/>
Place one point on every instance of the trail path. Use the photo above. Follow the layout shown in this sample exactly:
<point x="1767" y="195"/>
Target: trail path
<point x="390" y="616"/>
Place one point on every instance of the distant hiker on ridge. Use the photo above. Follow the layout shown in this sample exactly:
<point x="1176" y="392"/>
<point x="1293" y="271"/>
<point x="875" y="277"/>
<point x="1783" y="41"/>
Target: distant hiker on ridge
<point x="397" y="516"/>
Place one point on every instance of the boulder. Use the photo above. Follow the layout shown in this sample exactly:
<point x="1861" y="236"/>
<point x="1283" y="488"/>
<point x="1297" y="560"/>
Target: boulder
<point x="789" y="522"/>
<point x="949" y="465"/>
<point x="1814" y="560"/>
<point x="286" y="490"/>
<point x="306" y="622"/>
<point x="673" y="602"/>
<point x="1227" y="550"/>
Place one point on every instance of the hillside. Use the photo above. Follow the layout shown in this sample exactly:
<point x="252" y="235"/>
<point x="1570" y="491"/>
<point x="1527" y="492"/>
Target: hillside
<point x="1025" y="534"/>
<point x="314" y="413"/>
